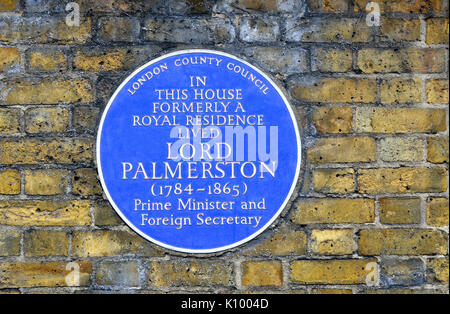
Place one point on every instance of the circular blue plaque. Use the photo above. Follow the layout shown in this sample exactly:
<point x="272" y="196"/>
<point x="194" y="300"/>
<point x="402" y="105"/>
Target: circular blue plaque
<point x="198" y="151"/>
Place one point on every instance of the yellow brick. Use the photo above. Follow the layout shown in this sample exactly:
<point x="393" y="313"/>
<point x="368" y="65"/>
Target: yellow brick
<point x="332" y="242"/>
<point x="42" y="29"/>
<point x="110" y="243"/>
<point x="99" y="60"/>
<point x="330" y="272"/>
<point x="333" y="119"/>
<point x="265" y="273"/>
<point x="438" y="270"/>
<point x="333" y="210"/>
<point x="85" y="183"/>
<point x="334" y="90"/>
<point x="396" y="30"/>
<point x="400" y="120"/>
<point x="403" y="242"/>
<point x="45" y="243"/>
<point x="105" y="215"/>
<point x="374" y="60"/>
<point x="37" y="151"/>
<point x="401" y="91"/>
<point x="9" y="242"/>
<point x="437" y="211"/>
<point x="437" y="149"/>
<point x="327" y="30"/>
<point x="437" y="31"/>
<point x="437" y="91"/>
<point x="332" y="60"/>
<point x="401" y="149"/>
<point x="331" y="291"/>
<point x="8" y="5"/>
<point x="334" y="180"/>
<point x="41" y="274"/>
<point x="328" y="6"/>
<point x="118" y="274"/>
<point x="402" y="6"/>
<point x="46" y="182"/>
<point x="47" y="91"/>
<point x="197" y="273"/>
<point x="9" y="121"/>
<point x="46" y="120"/>
<point x="9" y="181"/>
<point x="344" y="149"/>
<point x="402" y="180"/>
<point x="45" y="213"/>
<point x="281" y="242"/>
<point x="47" y="60"/>
<point x="9" y="58"/>
<point x="400" y="211"/>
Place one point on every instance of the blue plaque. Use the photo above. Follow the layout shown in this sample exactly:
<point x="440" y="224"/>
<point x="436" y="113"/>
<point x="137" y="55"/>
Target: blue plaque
<point x="198" y="151"/>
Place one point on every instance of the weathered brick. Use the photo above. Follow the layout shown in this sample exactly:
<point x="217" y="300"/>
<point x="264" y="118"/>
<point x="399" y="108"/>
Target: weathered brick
<point x="327" y="30"/>
<point x="10" y="59"/>
<point x="437" y="149"/>
<point x="46" y="91"/>
<point x="403" y="6"/>
<point x="85" y="183"/>
<point x="47" y="60"/>
<point x="8" y="5"/>
<point x="403" y="242"/>
<point x="9" y="181"/>
<point x="124" y="274"/>
<point x="333" y="210"/>
<point x="401" y="149"/>
<point x="264" y="273"/>
<point x="265" y="6"/>
<point x="334" y="90"/>
<point x="183" y="31"/>
<point x="333" y="119"/>
<point x="409" y="272"/>
<point x="402" y="180"/>
<point x="395" y="211"/>
<point x="400" y="120"/>
<point x="85" y="119"/>
<point x="401" y="91"/>
<point x="37" y="151"/>
<point x="9" y="242"/>
<point x="45" y="213"/>
<point x="437" y="270"/>
<point x="395" y="30"/>
<point x="331" y="291"/>
<point x="334" y="180"/>
<point x="328" y="6"/>
<point x="46" y="243"/>
<point x="104" y="214"/>
<point x="40" y="30"/>
<point x="330" y="271"/>
<point x="124" y="29"/>
<point x="376" y="60"/>
<point x="437" y="211"/>
<point x="331" y="60"/>
<point x="437" y="91"/>
<point x="42" y="274"/>
<point x="404" y="291"/>
<point x="96" y="60"/>
<point x="281" y="242"/>
<point x="187" y="273"/>
<point x="437" y="31"/>
<point x="110" y="243"/>
<point x="46" y="120"/>
<point x="253" y="29"/>
<point x="9" y="121"/>
<point x="332" y="242"/>
<point x="344" y="149"/>
<point x="46" y="182"/>
<point x="279" y="60"/>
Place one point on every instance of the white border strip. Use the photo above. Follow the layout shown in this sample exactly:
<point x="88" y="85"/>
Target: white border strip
<point x="223" y="248"/>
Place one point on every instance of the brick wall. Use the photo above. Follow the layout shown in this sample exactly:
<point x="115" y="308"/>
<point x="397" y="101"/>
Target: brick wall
<point x="372" y="103"/>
